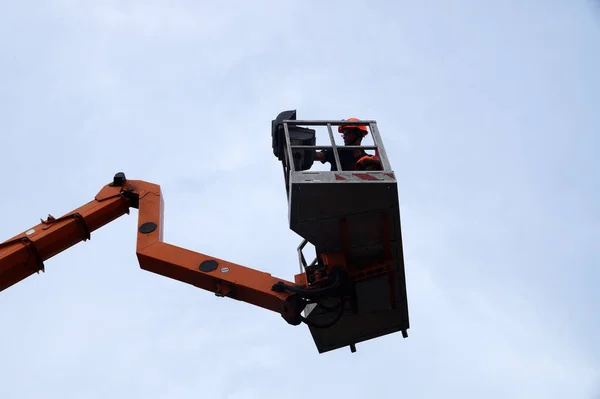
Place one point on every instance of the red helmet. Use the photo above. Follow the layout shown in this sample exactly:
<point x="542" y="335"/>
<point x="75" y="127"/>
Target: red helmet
<point x="364" y="128"/>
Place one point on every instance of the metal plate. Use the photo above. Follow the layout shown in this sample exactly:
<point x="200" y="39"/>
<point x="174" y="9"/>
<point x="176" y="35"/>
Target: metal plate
<point x="318" y="202"/>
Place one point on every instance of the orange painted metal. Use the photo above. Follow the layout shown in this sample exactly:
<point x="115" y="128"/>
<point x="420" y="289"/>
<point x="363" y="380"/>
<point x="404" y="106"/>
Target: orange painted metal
<point x="227" y="279"/>
<point x="24" y="254"/>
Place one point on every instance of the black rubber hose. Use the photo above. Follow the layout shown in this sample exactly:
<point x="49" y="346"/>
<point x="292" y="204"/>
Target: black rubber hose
<point x="308" y="293"/>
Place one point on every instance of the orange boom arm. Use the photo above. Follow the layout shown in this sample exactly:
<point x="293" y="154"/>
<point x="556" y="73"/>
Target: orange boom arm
<point x="24" y="255"/>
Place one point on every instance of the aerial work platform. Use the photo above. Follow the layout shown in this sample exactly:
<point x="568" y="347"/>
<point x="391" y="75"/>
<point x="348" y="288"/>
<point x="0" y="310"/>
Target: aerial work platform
<point x="352" y="218"/>
<point x="354" y="290"/>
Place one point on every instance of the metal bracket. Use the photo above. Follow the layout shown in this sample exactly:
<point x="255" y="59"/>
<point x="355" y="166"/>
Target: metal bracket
<point x="32" y="250"/>
<point x="301" y="258"/>
<point x="78" y="218"/>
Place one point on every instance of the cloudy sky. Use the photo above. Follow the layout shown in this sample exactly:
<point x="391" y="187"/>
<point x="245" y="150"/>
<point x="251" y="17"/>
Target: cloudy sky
<point x="489" y="115"/>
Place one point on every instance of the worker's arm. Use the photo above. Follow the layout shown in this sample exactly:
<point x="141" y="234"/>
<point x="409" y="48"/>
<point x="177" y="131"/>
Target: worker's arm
<point x="325" y="156"/>
<point x="24" y="255"/>
<point x="368" y="162"/>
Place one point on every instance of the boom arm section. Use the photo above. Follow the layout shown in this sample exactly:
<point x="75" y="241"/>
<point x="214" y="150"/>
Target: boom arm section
<point x="24" y="254"/>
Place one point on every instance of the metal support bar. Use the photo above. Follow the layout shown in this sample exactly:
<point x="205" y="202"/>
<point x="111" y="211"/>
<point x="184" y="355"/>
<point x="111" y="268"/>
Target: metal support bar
<point x="289" y="148"/>
<point x="301" y="257"/>
<point x="328" y="147"/>
<point x="334" y="147"/>
<point x="385" y="163"/>
<point x="336" y="122"/>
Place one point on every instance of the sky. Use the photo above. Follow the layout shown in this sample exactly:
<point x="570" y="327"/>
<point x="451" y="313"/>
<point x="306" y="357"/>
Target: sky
<point x="488" y="112"/>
